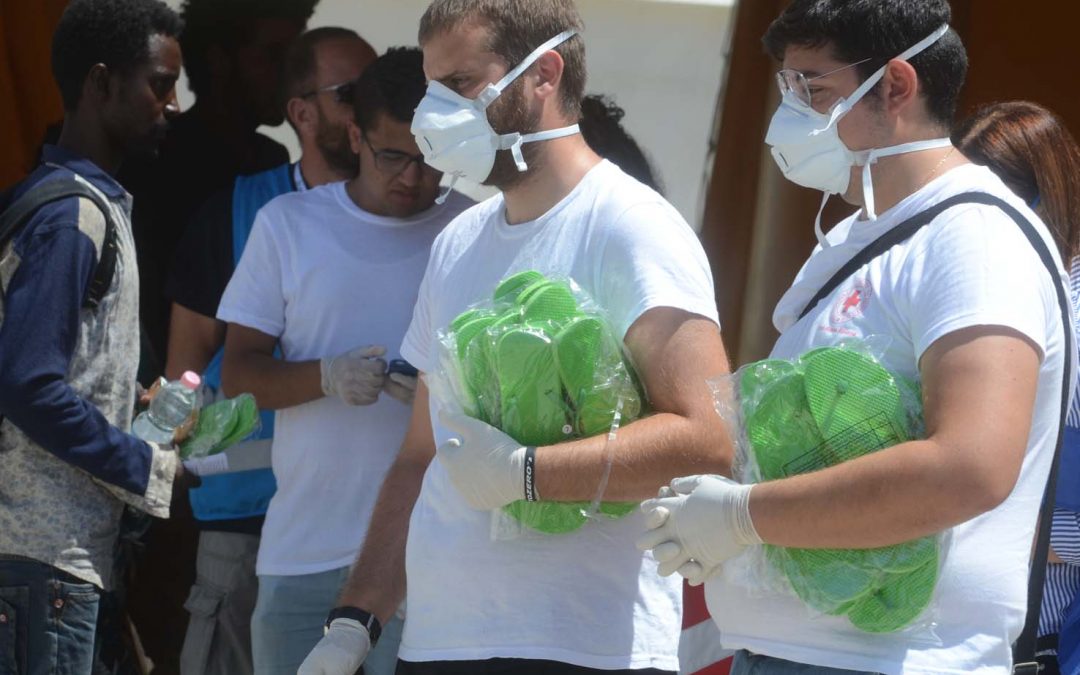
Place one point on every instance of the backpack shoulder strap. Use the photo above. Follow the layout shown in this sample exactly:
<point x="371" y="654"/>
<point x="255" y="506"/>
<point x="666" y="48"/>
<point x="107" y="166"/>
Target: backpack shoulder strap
<point x="15" y="216"/>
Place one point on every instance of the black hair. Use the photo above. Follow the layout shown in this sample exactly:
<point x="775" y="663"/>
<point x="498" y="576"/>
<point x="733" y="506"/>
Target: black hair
<point x="113" y="32"/>
<point x="601" y="127"/>
<point x="227" y="24"/>
<point x="880" y="30"/>
<point x="300" y="61"/>
<point x="394" y="85"/>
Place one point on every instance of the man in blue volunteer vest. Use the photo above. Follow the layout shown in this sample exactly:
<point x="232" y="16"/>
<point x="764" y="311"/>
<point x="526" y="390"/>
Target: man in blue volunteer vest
<point x="320" y="70"/>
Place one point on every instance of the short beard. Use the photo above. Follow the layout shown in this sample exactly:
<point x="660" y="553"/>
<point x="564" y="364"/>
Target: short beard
<point x="333" y="144"/>
<point x="508" y="114"/>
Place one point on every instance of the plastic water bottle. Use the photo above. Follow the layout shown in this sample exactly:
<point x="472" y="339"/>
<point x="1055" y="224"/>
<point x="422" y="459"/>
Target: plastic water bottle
<point x="170" y="408"/>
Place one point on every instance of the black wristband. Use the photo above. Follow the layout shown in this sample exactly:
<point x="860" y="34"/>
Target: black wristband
<point x="366" y="619"/>
<point x="530" y="475"/>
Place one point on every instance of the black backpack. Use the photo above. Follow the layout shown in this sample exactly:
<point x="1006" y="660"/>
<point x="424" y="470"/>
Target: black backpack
<point x="16" y="214"/>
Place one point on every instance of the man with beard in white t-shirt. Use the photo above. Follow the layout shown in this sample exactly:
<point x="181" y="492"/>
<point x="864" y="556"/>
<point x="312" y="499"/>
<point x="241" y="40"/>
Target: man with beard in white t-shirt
<point x="585" y="601"/>
<point x="968" y="309"/>
<point x="329" y="277"/>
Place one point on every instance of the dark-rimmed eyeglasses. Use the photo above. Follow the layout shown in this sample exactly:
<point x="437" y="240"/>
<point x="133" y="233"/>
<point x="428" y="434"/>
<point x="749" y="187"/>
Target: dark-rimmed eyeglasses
<point x="394" y="162"/>
<point x="799" y="84"/>
<point x="343" y="91"/>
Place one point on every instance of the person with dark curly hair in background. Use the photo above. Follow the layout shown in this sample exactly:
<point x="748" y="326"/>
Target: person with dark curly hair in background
<point x="601" y="127"/>
<point x="68" y="338"/>
<point x="1033" y="153"/>
<point x="233" y="55"/>
<point x="234" y="52"/>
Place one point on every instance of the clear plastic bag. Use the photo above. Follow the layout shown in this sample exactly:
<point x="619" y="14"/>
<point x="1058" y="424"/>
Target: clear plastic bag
<point x="539" y="361"/>
<point x="829" y="406"/>
<point x="221" y="425"/>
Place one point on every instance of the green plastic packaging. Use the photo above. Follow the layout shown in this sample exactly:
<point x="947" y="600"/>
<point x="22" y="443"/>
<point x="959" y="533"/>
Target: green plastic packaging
<point x="539" y="361"/>
<point x="222" y="425"/>
<point x="833" y="405"/>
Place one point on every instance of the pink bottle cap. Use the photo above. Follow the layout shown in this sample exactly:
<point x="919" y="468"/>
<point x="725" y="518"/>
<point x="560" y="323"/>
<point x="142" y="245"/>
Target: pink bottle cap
<point x="191" y="380"/>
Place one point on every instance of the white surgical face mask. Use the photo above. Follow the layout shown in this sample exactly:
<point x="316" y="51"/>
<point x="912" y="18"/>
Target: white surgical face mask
<point x="455" y="135"/>
<point x="807" y="147"/>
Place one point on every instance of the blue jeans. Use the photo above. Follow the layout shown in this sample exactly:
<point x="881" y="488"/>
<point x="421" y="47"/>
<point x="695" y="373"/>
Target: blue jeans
<point x="759" y="664"/>
<point x="289" y="618"/>
<point x="48" y="620"/>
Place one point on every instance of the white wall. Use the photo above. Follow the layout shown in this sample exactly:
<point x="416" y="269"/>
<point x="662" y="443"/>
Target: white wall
<point x="661" y="60"/>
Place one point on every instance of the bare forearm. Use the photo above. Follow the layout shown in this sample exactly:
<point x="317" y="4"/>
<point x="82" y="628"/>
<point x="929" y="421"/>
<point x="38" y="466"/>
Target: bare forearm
<point x="892" y="496"/>
<point x="193" y="341"/>
<point x="377" y="581"/>
<point x="276" y="384"/>
<point x="646" y="455"/>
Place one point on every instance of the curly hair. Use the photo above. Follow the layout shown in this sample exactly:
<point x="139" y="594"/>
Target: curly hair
<point x="113" y="32"/>
<point x="227" y="24"/>
<point x="601" y="127"/>
<point x="394" y="84"/>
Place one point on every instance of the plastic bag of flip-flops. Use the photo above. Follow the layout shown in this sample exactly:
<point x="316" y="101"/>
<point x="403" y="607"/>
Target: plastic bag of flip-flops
<point x="539" y="361"/>
<point x="831" y="405"/>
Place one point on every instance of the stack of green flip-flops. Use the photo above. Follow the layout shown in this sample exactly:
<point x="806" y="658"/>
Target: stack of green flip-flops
<point x="222" y="425"/>
<point x="544" y="371"/>
<point x="831" y="406"/>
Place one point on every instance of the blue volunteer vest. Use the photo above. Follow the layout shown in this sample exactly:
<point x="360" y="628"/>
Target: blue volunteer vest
<point x="246" y="494"/>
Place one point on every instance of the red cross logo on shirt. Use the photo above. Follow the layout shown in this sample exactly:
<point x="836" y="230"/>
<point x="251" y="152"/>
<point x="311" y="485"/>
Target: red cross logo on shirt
<point x="853" y="303"/>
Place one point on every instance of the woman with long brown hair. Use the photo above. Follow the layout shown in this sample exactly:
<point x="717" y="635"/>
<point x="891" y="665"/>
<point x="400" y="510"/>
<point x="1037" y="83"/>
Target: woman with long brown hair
<point x="1032" y="151"/>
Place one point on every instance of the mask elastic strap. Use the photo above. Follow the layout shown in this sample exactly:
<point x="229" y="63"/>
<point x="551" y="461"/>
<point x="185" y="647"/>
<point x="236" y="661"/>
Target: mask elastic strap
<point x="441" y="199"/>
<point x="869" y="207"/>
<point x="871" y="82"/>
<point x="516" y="72"/>
<point x="822" y="239"/>
<point x="513" y="142"/>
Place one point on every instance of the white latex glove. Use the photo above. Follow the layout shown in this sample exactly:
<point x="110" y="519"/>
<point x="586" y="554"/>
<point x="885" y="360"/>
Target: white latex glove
<point x="355" y="377"/>
<point x="401" y="387"/>
<point x="485" y="465"/>
<point x="340" y="652"/>
<point x="697" y="525"/>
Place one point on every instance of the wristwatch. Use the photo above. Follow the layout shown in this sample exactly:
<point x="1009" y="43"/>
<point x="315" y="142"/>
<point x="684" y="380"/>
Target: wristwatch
<point x="366" y="619"/>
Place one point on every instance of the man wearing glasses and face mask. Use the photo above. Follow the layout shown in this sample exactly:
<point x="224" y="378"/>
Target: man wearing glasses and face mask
<point x="968" y="309"/>
<point x="329" y="277"/>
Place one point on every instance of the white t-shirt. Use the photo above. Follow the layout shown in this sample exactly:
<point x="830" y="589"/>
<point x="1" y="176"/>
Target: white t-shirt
<point x="971" y="266"/>
<point x="328" y="277"/>
<point x="588" y="598"/>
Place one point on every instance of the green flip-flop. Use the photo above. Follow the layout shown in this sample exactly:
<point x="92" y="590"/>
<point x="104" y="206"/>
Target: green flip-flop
<point x="755" y="378"/>
<point x="222" y="425"/>
<point x="531" y="397"/>
<point x="898" y="601"/>
<point x="533" y="413"/>
<point x="856" y="404"/>
<point x="828" y="580"/>
<point x="512" y="286"/>
<point x="781" y="430"/>
<point x="586" y="354"/>
<point x="470" y="337"/>
<point x="554" y="302"/>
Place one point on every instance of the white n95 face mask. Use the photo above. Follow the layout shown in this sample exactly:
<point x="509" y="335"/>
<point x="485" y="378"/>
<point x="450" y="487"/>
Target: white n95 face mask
<point x="806" y="144"/>
<point x="455" y="135"/>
